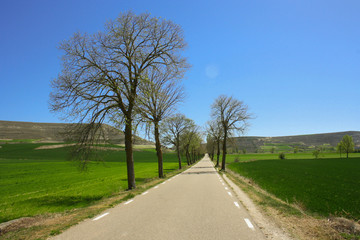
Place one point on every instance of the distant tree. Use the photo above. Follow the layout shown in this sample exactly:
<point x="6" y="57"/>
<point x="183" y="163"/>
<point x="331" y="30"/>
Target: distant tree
<point x="296" y="149"/>
<point x="347" y="145"/>
<point x="159" y="93"/>
<point x="172" y="129"/>
<point x="190" y="140"/>
<point x="214" y="128"/>
<point x="282" y="155"/>
<point x="316" y="153"/>
<point x="339" y="148"/>
<point x="232" y="114"/>
<point x="244" y="151"/>
<point x="272" y="150"/>
<point x="210" y="146"/>
<point x="102" y="72"/>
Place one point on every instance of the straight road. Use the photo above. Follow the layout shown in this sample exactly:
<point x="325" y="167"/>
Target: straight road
<point x="196" y="204"/>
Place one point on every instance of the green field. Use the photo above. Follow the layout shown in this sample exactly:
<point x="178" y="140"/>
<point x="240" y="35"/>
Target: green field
<point x="35" y="182"/>
<point x="273" y="156"/>
<point x="328" y="186"/>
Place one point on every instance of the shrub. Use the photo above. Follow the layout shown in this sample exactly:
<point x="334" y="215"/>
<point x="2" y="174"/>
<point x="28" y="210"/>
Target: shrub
<point x="316" y="153"/>
<point x="282" y="155"/>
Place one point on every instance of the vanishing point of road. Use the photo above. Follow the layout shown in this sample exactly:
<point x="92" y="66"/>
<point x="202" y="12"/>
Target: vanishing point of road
<point x="196" y="204"/>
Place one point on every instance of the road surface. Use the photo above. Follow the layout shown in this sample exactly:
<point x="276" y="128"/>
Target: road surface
<point x="196" y="204"/>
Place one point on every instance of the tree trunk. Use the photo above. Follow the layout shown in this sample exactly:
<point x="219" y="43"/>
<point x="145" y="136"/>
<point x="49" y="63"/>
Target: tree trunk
<point x="347" y="154"/>
<point x="129" y="156"/>
<point x="212" y="152"/>
<point x="224" y="151"/>
<point x="178" y="152"/>
<point x="218" y="153"/>
<point x="158" y="151"/>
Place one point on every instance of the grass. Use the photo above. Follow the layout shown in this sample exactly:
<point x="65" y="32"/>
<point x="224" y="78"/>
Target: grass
<point x="321" y="187"/>
<point x="34" y="182"/>
<point x="230" y="158"/>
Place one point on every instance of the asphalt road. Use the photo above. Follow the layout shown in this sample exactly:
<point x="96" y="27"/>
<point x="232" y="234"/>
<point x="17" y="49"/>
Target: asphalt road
<point x="196" y="204"/>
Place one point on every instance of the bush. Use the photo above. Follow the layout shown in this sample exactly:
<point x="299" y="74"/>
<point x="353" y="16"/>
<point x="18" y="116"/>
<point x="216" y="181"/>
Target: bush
<point x="282" y="155"/>
<point x="316" y="153"/>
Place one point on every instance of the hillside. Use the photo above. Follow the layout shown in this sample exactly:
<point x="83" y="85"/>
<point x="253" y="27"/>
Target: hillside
<point x="287" y="143"/>
<point x="54" y="132"/>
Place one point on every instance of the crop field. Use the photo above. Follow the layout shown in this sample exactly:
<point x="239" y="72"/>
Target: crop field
<point x="34" y="182"/>
<point x="320" y="186"/>
<point x="274" y="156"/>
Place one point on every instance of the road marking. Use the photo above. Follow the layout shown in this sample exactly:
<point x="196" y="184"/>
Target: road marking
<point x="249" y="224"/>
<point x="163" y="183"/>
<point x="156" y="186"/>
<point x="223" y="184"/>
<point x="101" y="216"/>
<point x="144" y="193"/>
<point x="128" y="201"/>
<point x="230" y="193"/>
<point x="226" y="188"/>
<point x="237" y="205"/>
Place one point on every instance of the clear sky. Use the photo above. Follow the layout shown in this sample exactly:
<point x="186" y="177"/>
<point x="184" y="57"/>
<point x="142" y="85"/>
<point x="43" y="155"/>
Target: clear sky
<point x="295" y="63"/>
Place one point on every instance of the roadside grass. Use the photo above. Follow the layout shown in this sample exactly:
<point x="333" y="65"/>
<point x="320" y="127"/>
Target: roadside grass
<point x="320" y="187"/>
<point x="34" y="182"/>
<point x="289" y="216"/>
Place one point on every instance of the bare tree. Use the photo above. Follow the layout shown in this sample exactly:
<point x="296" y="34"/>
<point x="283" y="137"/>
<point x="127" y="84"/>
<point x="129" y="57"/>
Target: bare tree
<point x="172" y="128"/>
<point x="102" y="72"/>
<point x="232" y="114"/>
<point x="159" y="94"/>
<point x="215" y="129"/>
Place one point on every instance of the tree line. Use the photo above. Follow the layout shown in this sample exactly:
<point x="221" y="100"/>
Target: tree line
<point x="229" y="116"/>
<point x="128" y="75"/>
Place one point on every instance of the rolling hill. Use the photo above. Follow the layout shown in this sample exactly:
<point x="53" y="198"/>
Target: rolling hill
<point x="54" y="132"/>
<point x="287" y="143"/>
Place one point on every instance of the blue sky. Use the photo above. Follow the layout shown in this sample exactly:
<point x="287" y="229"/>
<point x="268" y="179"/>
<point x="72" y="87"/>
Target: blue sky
<point x="296" y="64"/>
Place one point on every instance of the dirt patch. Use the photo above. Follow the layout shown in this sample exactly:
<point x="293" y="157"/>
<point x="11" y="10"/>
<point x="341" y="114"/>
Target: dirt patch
<point x="54" y="146"/>
<point x="73" y="144"/>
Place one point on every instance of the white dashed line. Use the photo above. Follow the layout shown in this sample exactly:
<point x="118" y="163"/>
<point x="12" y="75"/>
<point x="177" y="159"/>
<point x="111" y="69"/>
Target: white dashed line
<point x="223" y="184"/>
<point x="101" y="216"/>
<point x="226" y="188"/>
<point x="249" y="224"/>
<point x="156" y="186"/>
<point x="229" y="193"/>
<point x="144" y="193"/>
<point x="237" y="205"/>
<point x="163" y="183"/>
<point x="128" y="201"/>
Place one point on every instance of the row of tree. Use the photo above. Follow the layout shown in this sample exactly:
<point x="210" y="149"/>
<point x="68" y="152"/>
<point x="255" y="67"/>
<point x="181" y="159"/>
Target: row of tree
<point x="229" y="116"/>
<point x="127" y="75"/>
